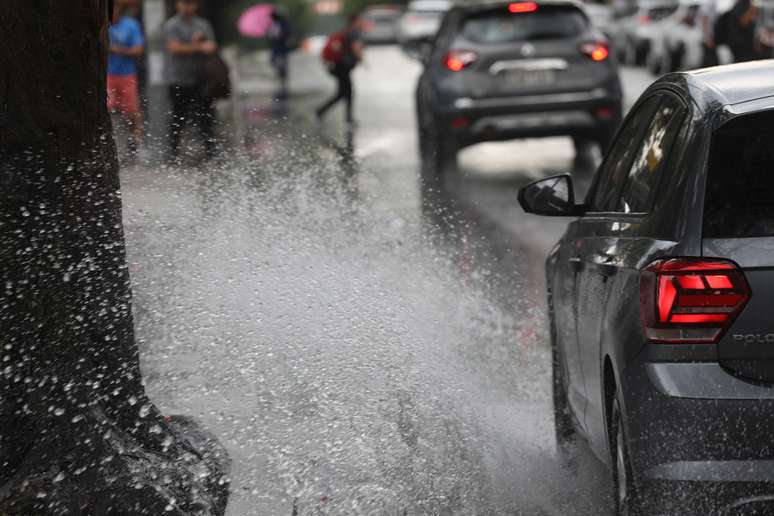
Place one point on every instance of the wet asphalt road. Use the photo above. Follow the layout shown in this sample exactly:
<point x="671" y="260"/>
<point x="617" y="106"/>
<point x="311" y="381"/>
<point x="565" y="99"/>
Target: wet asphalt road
<point x="360" y="347"/>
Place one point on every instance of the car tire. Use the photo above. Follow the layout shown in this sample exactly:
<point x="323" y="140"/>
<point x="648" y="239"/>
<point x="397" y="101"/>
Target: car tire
<point x="564" y="426"/>
<point x="630" y="54"/>
<point x="438" y="153"/>
<point x="625" y="498"/>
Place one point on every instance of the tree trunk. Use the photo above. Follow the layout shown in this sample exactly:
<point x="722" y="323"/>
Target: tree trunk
<point x="77" y="432"/>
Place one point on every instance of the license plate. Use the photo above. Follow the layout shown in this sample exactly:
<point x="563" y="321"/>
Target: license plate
<point x="529" y="78"/>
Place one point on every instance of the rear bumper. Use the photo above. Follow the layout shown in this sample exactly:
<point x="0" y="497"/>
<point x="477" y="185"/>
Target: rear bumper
<point x="588" y="113"/>
<point x="697" y="432"/>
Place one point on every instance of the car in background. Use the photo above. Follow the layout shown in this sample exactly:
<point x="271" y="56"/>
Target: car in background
<point x="678" y="42"/>
<point x="421" y="20"/>
<point x="380" y="23"/>
<point x="504" y="70"/>
<point x="601" y="16"/>
<point x="765" y="28"/>
<point x="660" y="294"/>
<point x="634" y="28"/>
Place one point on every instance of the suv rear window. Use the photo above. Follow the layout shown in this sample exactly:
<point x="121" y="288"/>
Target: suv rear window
<point x="503" y="26"/>
<point x="739" y="200"/>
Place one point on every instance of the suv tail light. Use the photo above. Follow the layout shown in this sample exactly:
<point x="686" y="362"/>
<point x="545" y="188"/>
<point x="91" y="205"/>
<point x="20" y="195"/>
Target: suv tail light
<point x="523" y="7"/>
<point x="458" y="60"/>
<point x="596" y="50"/>
<point x="691" y="300"/>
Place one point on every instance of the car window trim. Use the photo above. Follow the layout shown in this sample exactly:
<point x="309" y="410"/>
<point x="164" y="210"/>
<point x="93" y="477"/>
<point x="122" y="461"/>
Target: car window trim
<point x="683" y="112"/>
<point x="592" y="193"/>
<point x="642" y="100"/>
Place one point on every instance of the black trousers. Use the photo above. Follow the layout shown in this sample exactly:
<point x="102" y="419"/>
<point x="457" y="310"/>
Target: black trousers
<point x="189" y="104"/>
<point x="344" y="92"/>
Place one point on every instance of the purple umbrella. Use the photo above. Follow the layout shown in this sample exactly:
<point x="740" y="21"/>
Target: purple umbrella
<point x="255" y="22"/>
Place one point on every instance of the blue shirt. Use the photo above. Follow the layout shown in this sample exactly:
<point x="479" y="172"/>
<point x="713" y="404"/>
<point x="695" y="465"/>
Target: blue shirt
<point x="126" y="33"/>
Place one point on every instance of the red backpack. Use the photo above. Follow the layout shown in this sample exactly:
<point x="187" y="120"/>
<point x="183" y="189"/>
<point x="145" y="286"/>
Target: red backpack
<point x="334" y="48"/>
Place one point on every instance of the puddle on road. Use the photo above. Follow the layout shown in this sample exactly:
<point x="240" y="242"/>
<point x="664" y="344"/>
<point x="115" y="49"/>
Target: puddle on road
<point x="347" y="361"/>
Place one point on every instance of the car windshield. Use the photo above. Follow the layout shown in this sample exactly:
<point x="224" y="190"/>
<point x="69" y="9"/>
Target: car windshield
<point x="740" y="188"/>
<point x="503" y="26"/>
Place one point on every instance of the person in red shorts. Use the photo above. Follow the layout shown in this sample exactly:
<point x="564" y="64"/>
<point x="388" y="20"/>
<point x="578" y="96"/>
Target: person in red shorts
<point x="127" y="44"/>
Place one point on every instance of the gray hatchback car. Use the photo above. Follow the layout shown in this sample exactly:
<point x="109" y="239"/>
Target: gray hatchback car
<point x="661" y="297"/>
<point x="522" y="69"/>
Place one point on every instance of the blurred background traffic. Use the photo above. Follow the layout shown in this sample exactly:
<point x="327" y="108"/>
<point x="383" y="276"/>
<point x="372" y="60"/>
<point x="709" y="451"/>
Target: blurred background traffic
<point x="352" y="300"/>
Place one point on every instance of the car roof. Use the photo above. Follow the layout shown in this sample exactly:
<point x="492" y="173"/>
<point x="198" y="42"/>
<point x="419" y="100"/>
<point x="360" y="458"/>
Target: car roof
<point x="735" y="84"/>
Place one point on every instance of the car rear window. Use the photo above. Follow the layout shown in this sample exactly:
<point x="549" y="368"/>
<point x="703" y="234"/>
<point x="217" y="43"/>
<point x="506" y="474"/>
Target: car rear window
<point x="545" y="22"/>
<point x="739" y="199"/>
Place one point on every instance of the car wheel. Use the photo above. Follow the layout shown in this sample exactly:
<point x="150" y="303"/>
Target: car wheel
<point x="630" y="54"/>
<point x="564" y="427"/>
<point x="624" y="495"/>
<point x="439" y="155"/>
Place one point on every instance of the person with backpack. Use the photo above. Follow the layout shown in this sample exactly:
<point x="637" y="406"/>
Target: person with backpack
<point x="341" y="54"/>
<point x="190" y="41"/>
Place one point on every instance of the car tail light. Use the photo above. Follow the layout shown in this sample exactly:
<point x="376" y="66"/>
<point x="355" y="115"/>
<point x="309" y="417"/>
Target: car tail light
<point x="523" y="7"/>
<point x="644" y="19"/>
<point x="458" y="60"/>
<point x="596" y="50"/>
<point x="691" y="300"/>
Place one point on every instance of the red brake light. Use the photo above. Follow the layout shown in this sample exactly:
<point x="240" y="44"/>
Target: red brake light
<point x="691" y="300"/>
<point x="644" y="19"/>
<point x="596" y="50"/>
<point x="523" y="7"/>
<point x="458" y="60"/>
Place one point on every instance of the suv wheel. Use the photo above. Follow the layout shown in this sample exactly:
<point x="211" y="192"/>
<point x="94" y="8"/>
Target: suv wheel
<point x="439" y="155"/>
<point x="625" y="496"/>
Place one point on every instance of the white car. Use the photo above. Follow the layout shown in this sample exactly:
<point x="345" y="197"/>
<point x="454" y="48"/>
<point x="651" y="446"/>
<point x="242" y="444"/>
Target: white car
<point x="421" y="20"/>
<point x="635" y="26"/>
<point x="679" y="44"/>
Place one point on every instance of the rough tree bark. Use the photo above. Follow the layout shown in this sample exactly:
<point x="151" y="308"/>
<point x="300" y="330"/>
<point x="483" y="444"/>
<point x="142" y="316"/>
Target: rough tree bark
<point x="78" y="434"/>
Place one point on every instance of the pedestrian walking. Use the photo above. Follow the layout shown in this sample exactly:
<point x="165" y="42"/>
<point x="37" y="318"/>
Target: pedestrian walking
<point x="127" y="45"/>
<point x="280" y="34"/>
<point x="341" y="54"/>
<point x="708" y="14"/>
<point x="741" y="31"/>
<point x="190" y="40"/>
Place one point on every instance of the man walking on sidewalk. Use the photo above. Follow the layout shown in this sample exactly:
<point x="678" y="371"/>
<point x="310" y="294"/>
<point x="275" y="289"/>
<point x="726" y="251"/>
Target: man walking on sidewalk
<point x="342" y="52"/>
<point x="189" y="40"/>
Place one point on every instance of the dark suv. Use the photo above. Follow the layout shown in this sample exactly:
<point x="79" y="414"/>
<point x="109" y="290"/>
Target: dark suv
<point x="505" y="70"/>
<point x="661" y="296"/>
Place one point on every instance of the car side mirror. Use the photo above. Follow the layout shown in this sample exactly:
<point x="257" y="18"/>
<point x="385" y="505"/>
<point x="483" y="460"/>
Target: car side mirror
<point x="553" y="196"/>
<point x="420" y="49"/>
